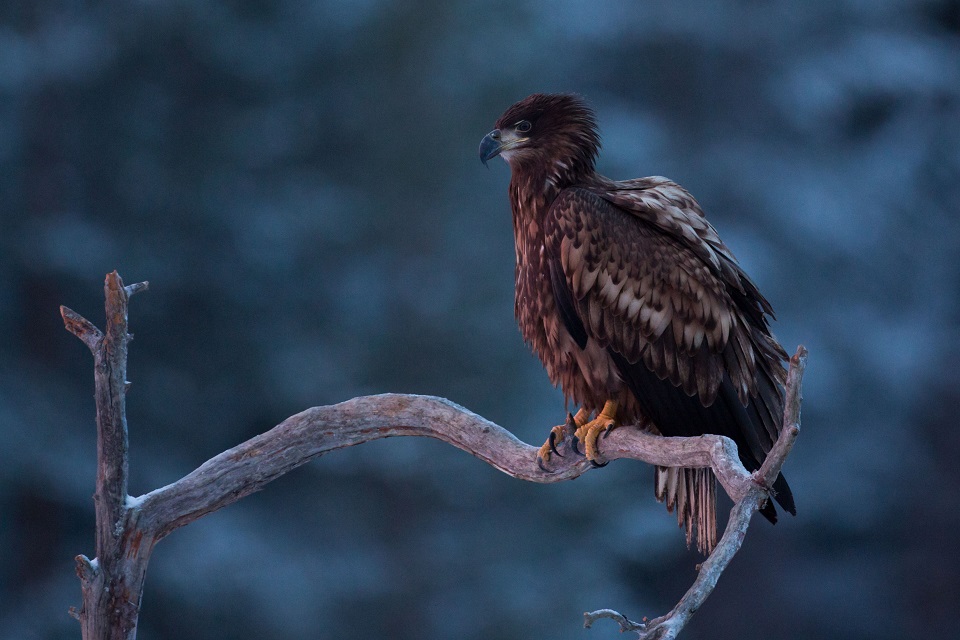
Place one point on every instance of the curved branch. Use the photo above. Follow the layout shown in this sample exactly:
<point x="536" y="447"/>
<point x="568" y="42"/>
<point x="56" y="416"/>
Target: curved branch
<point x="248" y="467"/>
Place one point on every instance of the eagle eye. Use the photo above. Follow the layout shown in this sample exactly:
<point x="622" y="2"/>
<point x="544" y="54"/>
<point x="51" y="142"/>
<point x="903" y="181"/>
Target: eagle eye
<point x="523" y="126"/>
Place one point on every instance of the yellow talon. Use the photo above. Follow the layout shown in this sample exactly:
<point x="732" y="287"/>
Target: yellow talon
<point x="560" y="433"/>
<point x="557" y="434"/>
<point x="589" y="432"/>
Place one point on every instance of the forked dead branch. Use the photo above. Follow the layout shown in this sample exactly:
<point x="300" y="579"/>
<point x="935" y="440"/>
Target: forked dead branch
<point x="128" y="528"/>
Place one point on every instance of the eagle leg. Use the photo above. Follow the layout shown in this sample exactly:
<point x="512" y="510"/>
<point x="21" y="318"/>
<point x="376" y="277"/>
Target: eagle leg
<point x="559" y="434"/>
<point x="589" y="432"/>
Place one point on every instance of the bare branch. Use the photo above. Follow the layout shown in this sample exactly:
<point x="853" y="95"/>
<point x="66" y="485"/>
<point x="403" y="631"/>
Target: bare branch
<point x="112" y="442"/>
<point x="128" y="528"/>
<point x="714" y="451"/>
<point x="112" y="584"/>
<point x="755" y="495"/>
<point x="81" y="327"/>
<point x="626" y="624"/>
<point x="770" y="468"/>
<point x="246" y="468"/>
<point x="132" y="289"/>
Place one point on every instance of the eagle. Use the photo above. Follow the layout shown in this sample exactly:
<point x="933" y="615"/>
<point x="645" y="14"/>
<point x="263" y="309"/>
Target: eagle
<point x="639" y="312"/>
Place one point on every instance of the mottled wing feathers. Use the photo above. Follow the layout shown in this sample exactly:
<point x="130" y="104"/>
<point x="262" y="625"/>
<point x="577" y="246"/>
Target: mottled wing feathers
<point x="641" y="272"/>
<point x="664" y="204"/>
<point x="670" y="208"/>
<point x="647" y="296"/>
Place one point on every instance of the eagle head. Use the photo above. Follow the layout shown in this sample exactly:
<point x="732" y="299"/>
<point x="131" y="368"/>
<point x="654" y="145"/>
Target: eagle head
<point x="542" y="129"/>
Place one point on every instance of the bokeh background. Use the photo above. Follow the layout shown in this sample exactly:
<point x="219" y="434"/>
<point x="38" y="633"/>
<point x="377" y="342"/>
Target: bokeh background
<point x="299" y="183"/>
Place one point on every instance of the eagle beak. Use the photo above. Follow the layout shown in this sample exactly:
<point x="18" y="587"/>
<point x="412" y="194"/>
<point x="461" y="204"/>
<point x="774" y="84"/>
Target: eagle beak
<point x="490" y="146"/>
<point x="500" y="143"/>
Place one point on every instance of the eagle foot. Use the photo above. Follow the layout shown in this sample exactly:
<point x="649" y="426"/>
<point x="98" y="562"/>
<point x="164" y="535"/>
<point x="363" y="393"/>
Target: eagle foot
<point x="589" y="432"/>
<point x="560" y="434"/>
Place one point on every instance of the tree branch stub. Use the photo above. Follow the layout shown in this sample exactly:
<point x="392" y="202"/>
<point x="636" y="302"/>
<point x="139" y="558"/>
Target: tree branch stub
<point x="82" y="328"/>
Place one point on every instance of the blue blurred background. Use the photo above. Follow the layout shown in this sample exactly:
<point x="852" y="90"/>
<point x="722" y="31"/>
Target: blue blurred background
<point x="299" y="183"/>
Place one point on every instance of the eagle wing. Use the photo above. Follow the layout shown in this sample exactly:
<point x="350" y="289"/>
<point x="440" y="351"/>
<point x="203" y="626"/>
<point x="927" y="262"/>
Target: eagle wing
<point x="638" y="269"/>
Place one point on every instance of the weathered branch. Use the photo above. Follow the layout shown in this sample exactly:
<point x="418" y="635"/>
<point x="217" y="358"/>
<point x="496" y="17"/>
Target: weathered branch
<point x="756" y="494"/>
<point x="82" y="328"/>
<point x="249" y="466"/>
<point x="128" y="528"/>
<point x="111" y="585"/>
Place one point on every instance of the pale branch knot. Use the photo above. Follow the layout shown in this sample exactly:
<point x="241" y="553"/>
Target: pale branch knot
<point x="132" y="289"/>
<point x="128" y="528"/>
<point x="86" y="569"/>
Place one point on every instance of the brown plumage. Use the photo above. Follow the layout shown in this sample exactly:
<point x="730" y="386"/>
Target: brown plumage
<point x="627" y="293"/>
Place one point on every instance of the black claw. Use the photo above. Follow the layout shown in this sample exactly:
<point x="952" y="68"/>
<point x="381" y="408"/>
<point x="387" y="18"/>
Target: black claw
<point x="573" y="445"/>
<point x="597" y="465"/>
<point x="553" y="444"/>
<point x="540" y="464"/>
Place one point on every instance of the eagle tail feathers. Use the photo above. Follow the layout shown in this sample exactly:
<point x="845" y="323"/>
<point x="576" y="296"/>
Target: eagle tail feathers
<point x="692" y="493"/>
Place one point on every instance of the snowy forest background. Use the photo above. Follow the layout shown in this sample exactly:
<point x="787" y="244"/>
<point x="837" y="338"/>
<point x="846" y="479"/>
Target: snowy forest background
<point x="299" y="182"/>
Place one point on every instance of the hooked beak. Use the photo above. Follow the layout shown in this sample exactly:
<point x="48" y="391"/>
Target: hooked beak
<point x="490" y="146"/>
<point x="499" y="143"/>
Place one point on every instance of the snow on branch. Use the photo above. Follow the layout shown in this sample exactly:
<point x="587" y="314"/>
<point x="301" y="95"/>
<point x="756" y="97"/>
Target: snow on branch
<point x="128" y="528"/>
